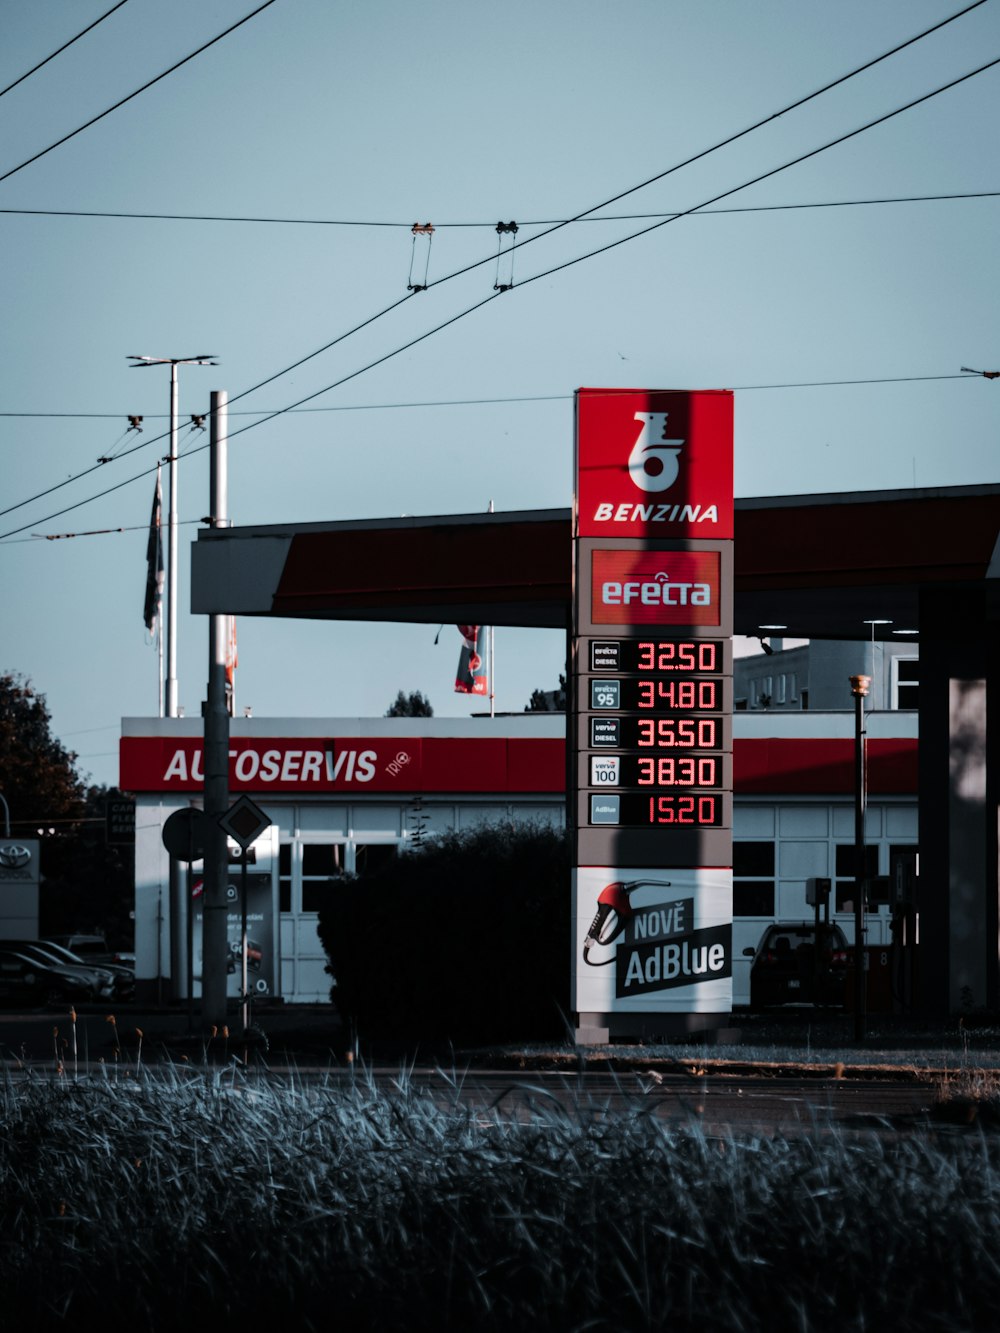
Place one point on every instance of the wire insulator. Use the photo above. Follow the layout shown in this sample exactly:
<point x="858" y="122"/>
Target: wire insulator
<point x="420" y="229"/>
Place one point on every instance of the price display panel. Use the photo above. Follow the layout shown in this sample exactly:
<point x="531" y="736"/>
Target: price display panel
<point x="690" y="656"/>
<point x="658" y="734"/>
<point x="659" y="810"/>
<point x="660" y="694"/>
<point x="671" y="772"/>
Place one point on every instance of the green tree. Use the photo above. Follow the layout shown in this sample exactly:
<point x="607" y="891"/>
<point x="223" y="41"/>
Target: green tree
<point x="413" y="704"/>
<point x="548" y="701"/>
<point x="86" y="885"/>
<point x="38" y="776"/>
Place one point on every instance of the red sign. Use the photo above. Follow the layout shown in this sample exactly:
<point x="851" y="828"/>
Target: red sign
<point x="655" y="588"/>
<point x="654" y="463"/>
<point x="352" y="764"/>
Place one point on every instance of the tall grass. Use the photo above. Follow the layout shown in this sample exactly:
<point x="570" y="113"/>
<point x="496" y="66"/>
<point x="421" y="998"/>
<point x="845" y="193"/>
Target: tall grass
<point x="173" y="1199"/>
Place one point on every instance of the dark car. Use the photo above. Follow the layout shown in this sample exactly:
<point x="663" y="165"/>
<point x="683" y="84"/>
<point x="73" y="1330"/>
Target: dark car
<point x="111" y="979"/>
<point x="797" y="964"/>
<point x="122" y="973"/>
<point x="32" y="981"/>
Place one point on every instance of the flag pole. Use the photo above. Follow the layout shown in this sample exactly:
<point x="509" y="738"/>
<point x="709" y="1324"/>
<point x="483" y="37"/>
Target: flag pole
<point x="159" y="615"/>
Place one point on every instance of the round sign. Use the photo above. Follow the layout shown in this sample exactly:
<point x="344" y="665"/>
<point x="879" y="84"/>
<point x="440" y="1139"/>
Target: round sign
<point x="185" y="834"/>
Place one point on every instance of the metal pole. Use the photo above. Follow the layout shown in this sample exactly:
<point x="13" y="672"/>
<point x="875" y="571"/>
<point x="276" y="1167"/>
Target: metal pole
<point x="859" y="688"/>
<point x="172" y="553"/>
<point x="214" y="939"/>
<point x="491" y="661"/>
<point x="243" y="939"/>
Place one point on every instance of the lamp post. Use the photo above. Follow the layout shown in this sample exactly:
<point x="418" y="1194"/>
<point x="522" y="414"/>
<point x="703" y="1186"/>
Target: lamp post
<point x="173" y="362"/>
<point x="859" y="689"/>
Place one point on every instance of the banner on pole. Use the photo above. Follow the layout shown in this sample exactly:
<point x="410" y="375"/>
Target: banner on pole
<point x="471" y="677"/>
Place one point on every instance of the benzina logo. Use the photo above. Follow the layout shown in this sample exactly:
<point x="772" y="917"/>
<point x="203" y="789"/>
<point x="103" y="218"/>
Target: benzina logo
<point x="658" y="591"/>
<point x="654" y="463"/>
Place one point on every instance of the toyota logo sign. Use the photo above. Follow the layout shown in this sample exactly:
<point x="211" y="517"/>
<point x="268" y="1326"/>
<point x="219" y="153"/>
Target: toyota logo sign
<point x="13" y="855"/>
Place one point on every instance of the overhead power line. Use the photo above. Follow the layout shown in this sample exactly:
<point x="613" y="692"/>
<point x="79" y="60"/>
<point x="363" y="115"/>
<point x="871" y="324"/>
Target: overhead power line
<point x="555" y="268"/>
<point x="122" y="101"/>
<point x="59" y="50"/>
<point x="506" y="398"/>
<point x="491" y="226"/>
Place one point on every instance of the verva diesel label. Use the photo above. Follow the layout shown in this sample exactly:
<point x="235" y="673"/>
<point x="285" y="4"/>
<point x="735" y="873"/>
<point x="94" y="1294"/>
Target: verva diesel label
<point x="654" y="463"/>
<point x="656" y="588"/>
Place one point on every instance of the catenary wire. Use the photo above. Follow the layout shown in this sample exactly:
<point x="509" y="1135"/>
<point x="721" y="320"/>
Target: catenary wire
<point x="59" y="50"/>
<point x="703" y="153"/>
<point x="723" y="143"/>
<point x="10" y="539"/>
<point x="122" y="101"/>
<point x="545" y="273"/>
<point x="537" y="222"/>
<point x="481" y="402"/>
<point x="660" y="176"/>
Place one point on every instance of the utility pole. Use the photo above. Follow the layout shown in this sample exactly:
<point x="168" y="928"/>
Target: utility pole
<point x="173" y="362"/>
<point x="214" y="948"/>
<point x="859" y="689"/>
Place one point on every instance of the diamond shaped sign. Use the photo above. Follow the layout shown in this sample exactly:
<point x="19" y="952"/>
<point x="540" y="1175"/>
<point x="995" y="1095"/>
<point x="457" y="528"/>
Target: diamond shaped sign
<point x="244" y="821"/>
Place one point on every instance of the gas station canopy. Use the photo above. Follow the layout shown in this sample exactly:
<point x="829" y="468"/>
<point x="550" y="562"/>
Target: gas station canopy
<point x="817" y="566"/>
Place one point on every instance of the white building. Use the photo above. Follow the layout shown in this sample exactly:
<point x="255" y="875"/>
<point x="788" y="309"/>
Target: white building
<point x="347" y="793"/>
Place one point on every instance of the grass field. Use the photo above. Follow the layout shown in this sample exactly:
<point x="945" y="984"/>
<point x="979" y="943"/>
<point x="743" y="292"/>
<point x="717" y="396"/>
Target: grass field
<point x="158" y="1199"/>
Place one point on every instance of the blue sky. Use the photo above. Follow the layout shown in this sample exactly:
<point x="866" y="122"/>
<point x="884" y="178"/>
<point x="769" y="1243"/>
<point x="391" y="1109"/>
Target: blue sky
<point x="460" y="113"/>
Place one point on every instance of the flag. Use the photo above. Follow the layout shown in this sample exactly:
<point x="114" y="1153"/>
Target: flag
<point x="471" y="675"/>
<point x="154" y="562"/>
<point x="232" y="662"/>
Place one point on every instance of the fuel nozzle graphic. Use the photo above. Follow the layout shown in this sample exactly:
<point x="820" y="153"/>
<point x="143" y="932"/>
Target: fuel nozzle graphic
<point x="614" y="911"/>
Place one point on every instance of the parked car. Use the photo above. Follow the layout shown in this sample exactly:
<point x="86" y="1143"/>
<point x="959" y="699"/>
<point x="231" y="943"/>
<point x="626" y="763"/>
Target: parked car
<point x="33" y="980"/>
<point x="121" y="976"/>
<point x="795" y="964"/>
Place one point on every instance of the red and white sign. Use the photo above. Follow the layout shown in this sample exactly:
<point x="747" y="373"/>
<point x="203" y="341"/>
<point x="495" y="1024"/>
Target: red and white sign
<point x="654" y="463"/>
<point x="351" y="764"/>
<point x="655" y="588"/>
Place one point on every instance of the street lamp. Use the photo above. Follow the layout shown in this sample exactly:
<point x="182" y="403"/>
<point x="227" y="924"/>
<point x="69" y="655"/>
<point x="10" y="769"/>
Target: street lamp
<point x="173" y="362"/>
<point x="859" y="689"/>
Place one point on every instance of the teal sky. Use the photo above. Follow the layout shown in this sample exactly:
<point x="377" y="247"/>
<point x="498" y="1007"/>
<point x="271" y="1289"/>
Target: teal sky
<point x="461" y="113"/>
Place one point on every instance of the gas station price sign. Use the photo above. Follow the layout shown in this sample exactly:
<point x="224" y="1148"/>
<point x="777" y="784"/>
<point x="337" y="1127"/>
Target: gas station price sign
<point x="691" y="656"/>
<point x="673" y="771"/>
<point x="651" y="694"/>
<point x="658" y="694"/>
<point x="669" y="734"/>
<point x="659" y="810"/>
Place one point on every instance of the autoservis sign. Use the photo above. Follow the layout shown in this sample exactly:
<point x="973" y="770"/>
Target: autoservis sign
<point x="652" y="701"/>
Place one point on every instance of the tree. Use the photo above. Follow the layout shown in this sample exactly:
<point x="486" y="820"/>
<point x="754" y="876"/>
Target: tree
<point x="86" y="884"/>
<point x="38" y="776"/>
<point x="413" y="704"/>
<point x="548" y="701"/>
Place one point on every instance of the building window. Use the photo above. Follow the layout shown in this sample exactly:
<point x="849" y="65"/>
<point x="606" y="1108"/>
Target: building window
<point x="793" y="686"/>
<point x="753" y="878"/>
<point x="845" y="870"/>
<point x="371" y="857"/>
<point x="322" y="865"/>
<point x="781" y="694"/>
<point x="285" y="877"/>
<point x="905" y="682"/>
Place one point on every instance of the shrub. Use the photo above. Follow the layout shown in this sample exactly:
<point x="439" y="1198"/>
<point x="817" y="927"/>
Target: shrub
<point x="465" y="939"/>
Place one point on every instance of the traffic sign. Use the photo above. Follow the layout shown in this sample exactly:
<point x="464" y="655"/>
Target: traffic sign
<point x="244" y="821"/>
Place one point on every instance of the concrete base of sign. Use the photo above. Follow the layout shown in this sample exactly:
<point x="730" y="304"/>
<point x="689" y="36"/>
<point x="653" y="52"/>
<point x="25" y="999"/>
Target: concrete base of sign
<point x="602" y="1029"/>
